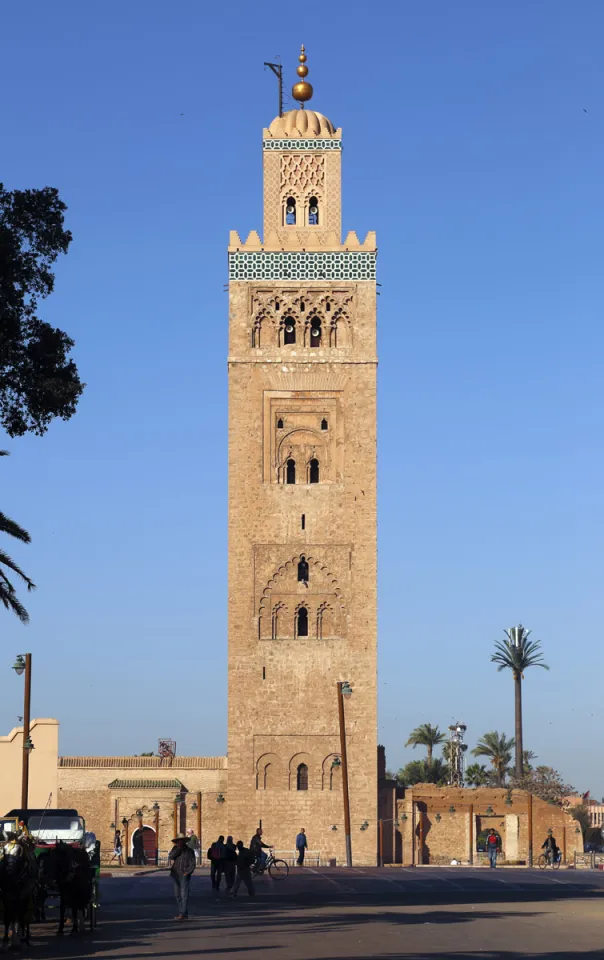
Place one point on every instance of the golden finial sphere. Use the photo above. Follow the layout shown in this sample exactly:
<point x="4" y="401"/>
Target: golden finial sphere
<point x="302" y="70"/>
<point x="302" y="91"/>
<point x="302" y="58"/>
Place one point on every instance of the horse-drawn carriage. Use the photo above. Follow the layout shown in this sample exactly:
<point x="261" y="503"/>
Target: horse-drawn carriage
<point x="64" y="858"/>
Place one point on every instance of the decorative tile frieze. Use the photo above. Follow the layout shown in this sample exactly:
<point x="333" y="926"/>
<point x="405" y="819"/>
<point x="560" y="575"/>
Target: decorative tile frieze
<point x="313" y="143"/>
<point x="302" y="266"/>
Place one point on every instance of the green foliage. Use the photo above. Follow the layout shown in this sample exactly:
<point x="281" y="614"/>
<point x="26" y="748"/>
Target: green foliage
<point x="477" y="775"/>
<point x="37" y="381"/>
<point x="420" y="771"/>
<point x="498" y="749"/>
<point x="426" y="736"/>
<point x="527" y="756"/>
<point x="518" y="657"/>
<point x="8" y="594"/>
<point x="546" y="783"/>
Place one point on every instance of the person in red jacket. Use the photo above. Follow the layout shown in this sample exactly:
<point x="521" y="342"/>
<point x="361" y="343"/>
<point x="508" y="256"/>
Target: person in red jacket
<point x="493" y="847"/>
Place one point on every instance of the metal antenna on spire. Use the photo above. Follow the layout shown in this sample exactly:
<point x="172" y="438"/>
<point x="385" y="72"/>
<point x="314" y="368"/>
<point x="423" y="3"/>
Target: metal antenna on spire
<point x="456" y="753"/>
<point x="277" y="69"/>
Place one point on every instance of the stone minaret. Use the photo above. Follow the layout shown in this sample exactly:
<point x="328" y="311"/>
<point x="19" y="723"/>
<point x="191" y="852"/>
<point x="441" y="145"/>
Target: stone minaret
<point x="302" y="502"/>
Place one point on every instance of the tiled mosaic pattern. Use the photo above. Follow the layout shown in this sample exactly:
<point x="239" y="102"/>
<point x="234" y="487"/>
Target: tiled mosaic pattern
<point x="313" y="143"/>
<point x="302" y="266"/>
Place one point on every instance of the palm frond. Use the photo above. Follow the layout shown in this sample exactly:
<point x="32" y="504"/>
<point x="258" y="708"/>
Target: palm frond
<point x="10" y="600"/>
<point x="6" y="560"/>
<point x="13" y="529"/>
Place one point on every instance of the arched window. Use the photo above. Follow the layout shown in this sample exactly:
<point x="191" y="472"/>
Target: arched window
<point x="268" y="779"/>
<point x="313" y="473"/>
<point x="280" y="424"/>
<point x="290" y="471"/>
<point x="290" y="212"/>
<point x="313" y="212"/>
<point x="315" y="332"/>
<point x="302" y="625"/>
<point x="303" y="570"/>
<point x="289" y="330"/>
<point x="302" y="777"/>
<point x="335" y="777"/>
<point x="323" y="424"/>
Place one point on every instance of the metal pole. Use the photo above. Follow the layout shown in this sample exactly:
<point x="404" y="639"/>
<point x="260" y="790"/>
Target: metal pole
<point x="126" y="844"/>
<point x="199" y="822"/>
<point x="176" y="830"/>
<point x="381" y="835"/>
<point x="530" y="829"/>
<point x="157" y="838"/>
<point x="471" y="857"/>
<point x="344" y="774"/>
<point x="26" y="719"/>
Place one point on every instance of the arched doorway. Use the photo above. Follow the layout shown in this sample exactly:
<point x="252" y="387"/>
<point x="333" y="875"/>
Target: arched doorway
<point x="145" y="852"/>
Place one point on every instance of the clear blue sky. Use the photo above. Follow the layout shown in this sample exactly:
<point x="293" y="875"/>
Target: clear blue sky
<point x="468" y="149"/>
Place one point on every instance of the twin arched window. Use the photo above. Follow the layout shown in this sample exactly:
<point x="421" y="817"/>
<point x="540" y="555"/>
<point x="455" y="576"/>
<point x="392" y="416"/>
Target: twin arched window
<point x="290" y="212"/>
<point x="314" y="471"/>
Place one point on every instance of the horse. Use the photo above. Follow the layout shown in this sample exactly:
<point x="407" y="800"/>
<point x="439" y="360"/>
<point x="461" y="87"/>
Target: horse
<point x="69" y="871"/>
<point x="18" y="879"/>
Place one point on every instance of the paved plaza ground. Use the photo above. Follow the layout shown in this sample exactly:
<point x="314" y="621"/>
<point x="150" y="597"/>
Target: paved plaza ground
<point x="323" y="914"/>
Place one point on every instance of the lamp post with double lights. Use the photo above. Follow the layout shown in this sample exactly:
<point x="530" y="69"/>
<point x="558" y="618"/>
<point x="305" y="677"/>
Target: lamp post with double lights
<point x="22" y="665"/>
<point x="344" y="693"/>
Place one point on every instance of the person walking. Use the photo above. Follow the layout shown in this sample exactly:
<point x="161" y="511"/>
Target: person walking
<point x="117" y="849"/>
<point x="230" y="863"/>
<point x="301" y="845"/>
<point x="492" y="847"/>
<point x="245" y="860"/>
<point x="182" y="865"/>
<point x="551" y="847"/>
<point x="217" y="859"/>
<point x="193" y="842"/>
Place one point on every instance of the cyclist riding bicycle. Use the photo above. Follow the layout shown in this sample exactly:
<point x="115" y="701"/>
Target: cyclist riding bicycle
<point x="257" y="848"/>
<point x="550" y="847"/>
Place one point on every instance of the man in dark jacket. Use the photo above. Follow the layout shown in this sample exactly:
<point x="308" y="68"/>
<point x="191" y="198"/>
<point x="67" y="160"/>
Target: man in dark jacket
<point x="257" y="848"/>
<point x="230" y="863"/>
<point x="551" y="847"/>
<point x="182" y="865"/>
<point x="216" y="856"/>
<point x="245" y="859"/>
<point x="301" y="845"/>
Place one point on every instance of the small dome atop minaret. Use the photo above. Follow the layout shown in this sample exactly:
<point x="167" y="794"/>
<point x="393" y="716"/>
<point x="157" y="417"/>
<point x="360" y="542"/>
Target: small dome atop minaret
<point x="300" y="122"/>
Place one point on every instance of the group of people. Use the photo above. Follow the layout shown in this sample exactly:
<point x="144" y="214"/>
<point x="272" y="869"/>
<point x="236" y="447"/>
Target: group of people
<point x="233" y="861"/>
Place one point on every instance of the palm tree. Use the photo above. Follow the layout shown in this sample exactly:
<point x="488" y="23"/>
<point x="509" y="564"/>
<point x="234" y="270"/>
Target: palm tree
<point x="420" y="771"/>
<point x="8" y="594"/>
<point x="426" y="736"/>
<point x="498" y="749"/>
<point x="477" y="775"/>
<point x="517" y="653"/>
<point x="527" y="756"/>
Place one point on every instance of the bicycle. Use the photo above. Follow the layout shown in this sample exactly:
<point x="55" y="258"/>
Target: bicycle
<point x="548" y="860"/>
<point x="277" y="869"/>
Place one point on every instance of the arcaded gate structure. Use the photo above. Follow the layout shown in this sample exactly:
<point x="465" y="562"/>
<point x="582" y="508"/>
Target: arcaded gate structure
<point x="436" y="825"/>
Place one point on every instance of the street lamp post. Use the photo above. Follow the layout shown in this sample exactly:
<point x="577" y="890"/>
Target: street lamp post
<point x="21" y="665"/>
<point x="125" y="825"/>
<point x="156" y="812"/>
<point x="345" y="690"/>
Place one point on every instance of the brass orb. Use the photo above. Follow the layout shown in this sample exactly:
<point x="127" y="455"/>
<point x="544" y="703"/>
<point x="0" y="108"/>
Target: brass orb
<point x="302" y="91"/>
<point x="302" y="58"/>
<point x="302" y="70"/>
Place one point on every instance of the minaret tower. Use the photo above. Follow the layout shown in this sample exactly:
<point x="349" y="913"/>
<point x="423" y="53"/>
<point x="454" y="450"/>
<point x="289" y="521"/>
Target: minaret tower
<point x="302" y="501"/>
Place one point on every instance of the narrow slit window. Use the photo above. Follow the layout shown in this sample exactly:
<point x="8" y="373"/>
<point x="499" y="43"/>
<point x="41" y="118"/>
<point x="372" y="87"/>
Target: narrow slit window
<point x="280" y="424"/>
<point x="303" y="521"/>
<point x="302" y="625"/>
<point x="303" y="569"/>
<point x="290" y="471"/>
<point x="290" y="212"/>
<point x="289" y="330"/>
<point x="302" y="777"/>
<point x="324" y="424"/>
<point x="264" y="673"/>
<point x="313" y="212"/>
<point x="314" y="471"/>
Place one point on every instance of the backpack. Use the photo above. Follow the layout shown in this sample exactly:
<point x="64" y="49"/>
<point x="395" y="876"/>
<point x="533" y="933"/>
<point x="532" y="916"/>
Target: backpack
<point x="215" y="852"/>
